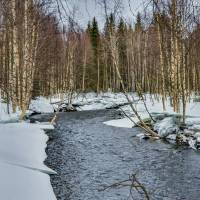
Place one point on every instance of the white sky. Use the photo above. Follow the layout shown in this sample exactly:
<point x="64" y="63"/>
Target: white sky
<point x="87" y="9"/>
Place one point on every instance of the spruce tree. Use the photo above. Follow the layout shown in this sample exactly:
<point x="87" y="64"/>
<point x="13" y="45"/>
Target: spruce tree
<point x="88" y="30"/>
<point x="95" y="41"/>
<point x="138" y="25"/>
<point x="94" y="35"/>
<point x="122" y="33"/>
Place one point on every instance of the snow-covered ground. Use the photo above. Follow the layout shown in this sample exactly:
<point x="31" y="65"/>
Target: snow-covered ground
<point x="4" y="116"/>
<point x="26" y="142"/>
<point x="168" y="123"/>
<point x="22" y="153"/>
<point x="155" y="107"/>
<point x="88" y="101"/>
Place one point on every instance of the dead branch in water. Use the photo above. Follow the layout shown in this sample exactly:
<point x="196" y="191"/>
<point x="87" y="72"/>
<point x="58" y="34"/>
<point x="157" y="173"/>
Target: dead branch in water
<point x="133" y="184"/>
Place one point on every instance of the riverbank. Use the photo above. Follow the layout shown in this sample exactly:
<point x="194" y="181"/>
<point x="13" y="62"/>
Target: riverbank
<point x="22" y="153"/>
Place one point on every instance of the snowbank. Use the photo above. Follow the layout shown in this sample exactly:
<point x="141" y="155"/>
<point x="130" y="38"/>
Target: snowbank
<point x="92" y="101"/>
<point x="155" y="107"/>
<point x="18" y="183"/>
<point x="24" y="144"/>
<point x="22" y="153"/>
<point x="166" y="127"/>
<point x="4" y="116"/>
<point x="168" y="124"/>
<point x="41" y="105"/>
<point x="88" y="101"/>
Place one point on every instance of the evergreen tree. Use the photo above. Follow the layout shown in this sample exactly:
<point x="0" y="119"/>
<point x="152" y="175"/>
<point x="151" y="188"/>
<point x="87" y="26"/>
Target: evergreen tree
<point x="95" y="41"/>
<point x="88" y="30"/>
<point x="94" y="35"/>
<point x="122" y="33"/>
<point x="138" y="25"/>
<point x="112" y="22"/>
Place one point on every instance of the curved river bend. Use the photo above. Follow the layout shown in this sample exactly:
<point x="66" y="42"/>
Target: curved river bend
<point x="88" y="154"/>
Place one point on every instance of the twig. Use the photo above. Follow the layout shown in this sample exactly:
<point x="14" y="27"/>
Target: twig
<point x="133" y="183"/>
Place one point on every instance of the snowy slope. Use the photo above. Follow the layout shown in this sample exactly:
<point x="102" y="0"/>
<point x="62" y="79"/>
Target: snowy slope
<point x="23" y="144"/>
<point x="22" y="153"/>
<point x="18" y="183"/>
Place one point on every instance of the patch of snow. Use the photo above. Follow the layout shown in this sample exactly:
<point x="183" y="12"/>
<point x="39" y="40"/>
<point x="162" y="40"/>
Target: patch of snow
<point x="198" y="139"/>
<point x="166" y="127"/>
<point x="18" y="183"/>
<point x="22" y="153"/>
<point x="24" y="144"/>
<point x="4" y="116"/>
<point x="126" y="122"/>
<point x="184" y="138"/>
<point x="171" y="137"/>
<point x="92" y="106"/>
<point x="92" y="101"/>
<point x="123" y="123"/>
<point x="192" y="143"/>
<point x="41" y="105"/>
<point x="195" y="127"/>
<point x="197" y="135"/>
<point x="44" y="125"/>
<point x="87" y="101"/>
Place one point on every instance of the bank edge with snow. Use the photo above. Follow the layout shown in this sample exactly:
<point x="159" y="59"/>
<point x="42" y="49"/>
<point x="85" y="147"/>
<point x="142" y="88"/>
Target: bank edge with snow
<point x="168" y="124"/>
<point x="22" y="153"/>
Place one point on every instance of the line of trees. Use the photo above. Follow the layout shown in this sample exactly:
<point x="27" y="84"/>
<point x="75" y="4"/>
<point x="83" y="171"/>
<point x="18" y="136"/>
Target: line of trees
<point x="40" y="56"/>
<point x="29" y="37"/>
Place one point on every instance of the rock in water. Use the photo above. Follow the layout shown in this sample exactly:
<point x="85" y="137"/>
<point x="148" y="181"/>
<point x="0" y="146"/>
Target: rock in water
<point x="181" y="139"/>
<point x="67" y="108"/>
<point x="143" y="136"/>
<point x="166" y="127"/>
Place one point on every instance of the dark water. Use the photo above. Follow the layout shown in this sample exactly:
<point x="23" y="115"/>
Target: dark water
<point x="88" y="154"/>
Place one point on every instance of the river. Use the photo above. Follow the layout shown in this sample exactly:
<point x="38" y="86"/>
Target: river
<point x="89" y="155"/>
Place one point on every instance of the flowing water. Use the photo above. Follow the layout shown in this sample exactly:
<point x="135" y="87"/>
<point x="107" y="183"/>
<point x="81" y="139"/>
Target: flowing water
<point x="89" y="155"/>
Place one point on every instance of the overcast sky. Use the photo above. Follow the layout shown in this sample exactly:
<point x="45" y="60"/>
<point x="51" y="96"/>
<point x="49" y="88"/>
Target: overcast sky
<point x="87" y="9"/>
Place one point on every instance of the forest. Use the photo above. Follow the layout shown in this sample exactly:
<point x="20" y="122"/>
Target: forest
<point x="158" y="53"/>
<point x="99" y="99"/>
